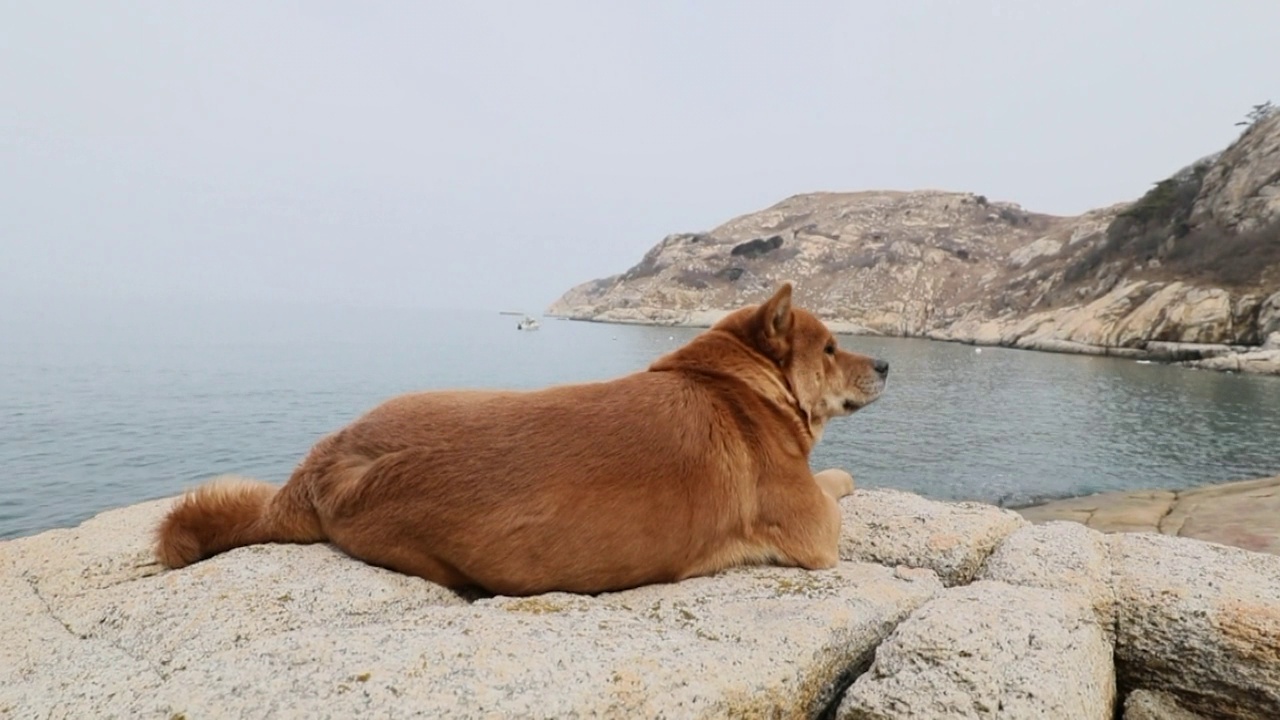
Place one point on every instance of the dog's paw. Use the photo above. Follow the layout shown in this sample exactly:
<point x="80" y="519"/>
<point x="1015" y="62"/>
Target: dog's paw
<point x="836" y="482"/>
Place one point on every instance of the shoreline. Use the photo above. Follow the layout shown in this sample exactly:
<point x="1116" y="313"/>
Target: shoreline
<point x="1244" y="359"/>
<point x="1239" y="513"/>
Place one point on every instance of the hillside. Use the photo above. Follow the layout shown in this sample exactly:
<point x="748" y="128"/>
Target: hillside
<point x="1188" y="272"/>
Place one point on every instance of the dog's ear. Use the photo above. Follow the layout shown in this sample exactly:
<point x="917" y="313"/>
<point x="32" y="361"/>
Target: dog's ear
<point x="772" y="322"/>
<point x="775" y="315"/>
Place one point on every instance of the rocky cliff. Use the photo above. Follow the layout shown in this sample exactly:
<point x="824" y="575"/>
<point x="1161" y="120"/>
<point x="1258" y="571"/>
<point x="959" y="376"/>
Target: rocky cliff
<point x="1189" y="272"/>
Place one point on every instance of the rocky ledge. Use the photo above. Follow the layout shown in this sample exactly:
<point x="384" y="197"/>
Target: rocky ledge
<point x="1243" y="514"/>
<point x="957" y="610"/>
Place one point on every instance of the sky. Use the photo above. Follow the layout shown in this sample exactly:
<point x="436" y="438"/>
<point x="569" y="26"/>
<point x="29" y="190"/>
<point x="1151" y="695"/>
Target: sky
<point x="493" y="154"/>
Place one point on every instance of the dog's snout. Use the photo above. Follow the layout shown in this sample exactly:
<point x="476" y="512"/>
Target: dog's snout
<point x="882" y="367"/>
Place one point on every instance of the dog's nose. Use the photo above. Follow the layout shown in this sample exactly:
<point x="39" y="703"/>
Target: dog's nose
<point x="882" y="367"/>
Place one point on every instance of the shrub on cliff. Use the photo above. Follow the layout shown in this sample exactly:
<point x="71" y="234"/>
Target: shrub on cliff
<point x="1138" y="232"/>
<point x="1229" y="259"/>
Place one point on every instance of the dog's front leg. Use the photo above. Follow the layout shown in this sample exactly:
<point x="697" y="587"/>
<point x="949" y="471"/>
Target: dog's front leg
<point x="835" y="482"/>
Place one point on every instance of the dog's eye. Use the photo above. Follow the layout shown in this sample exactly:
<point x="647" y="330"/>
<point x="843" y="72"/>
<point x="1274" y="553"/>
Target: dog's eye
<point x="830" y="349"/>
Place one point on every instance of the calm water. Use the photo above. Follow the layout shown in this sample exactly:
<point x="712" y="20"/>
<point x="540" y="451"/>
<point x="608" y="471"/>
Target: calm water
<point x="130" y="405"/>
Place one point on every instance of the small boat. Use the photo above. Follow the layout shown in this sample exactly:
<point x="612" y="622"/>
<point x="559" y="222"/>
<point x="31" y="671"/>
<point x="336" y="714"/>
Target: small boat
<point x="528" y="323"/>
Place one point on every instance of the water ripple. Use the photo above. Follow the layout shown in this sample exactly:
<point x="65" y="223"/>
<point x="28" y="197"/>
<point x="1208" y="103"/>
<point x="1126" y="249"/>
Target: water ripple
<point x="109" y="425"/>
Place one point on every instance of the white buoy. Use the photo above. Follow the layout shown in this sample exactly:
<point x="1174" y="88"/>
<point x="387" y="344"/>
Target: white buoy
<point x="978" y="350"/>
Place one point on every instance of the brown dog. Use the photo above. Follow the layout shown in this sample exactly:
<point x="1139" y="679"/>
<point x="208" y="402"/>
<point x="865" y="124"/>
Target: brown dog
<point x="695" y="465"/>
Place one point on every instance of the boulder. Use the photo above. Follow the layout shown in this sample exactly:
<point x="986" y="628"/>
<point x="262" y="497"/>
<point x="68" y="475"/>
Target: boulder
<point x="1039" y="621"/>
<point x="94" y="629"/>
<point x="1200" y="621"/>
<point x="1058" y="555"/>
<point x="891" y="527"/>
<point x="990" y="650"/>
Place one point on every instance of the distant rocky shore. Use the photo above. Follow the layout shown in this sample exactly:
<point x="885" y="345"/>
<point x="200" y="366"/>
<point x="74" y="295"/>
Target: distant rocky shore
<point x="937" y="609"/>
<point x="1253" y="359"/>
<point x="1189" y="273"/>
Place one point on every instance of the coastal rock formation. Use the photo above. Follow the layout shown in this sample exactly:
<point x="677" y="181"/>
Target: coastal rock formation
<point x="1023" y="623"/>
<point x="1187" y="273"/>
<point x="991" y="650"/>
<point x="1240" y="190"/>
<point x="1241" y="514"/>
<point x="892" y="527"/>
<point x="1172" y="596"/>
<point x="1062" y="556"/>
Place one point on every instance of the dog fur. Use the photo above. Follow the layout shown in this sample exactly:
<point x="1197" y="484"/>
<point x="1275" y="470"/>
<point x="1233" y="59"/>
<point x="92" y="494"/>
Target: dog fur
<point x="695" y="465"/>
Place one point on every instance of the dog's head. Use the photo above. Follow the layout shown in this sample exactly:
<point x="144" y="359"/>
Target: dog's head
<point x="826" y="380"/>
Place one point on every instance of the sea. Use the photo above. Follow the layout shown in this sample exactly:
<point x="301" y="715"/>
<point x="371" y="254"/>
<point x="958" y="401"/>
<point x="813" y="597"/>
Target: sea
<point x="104" y="405"/>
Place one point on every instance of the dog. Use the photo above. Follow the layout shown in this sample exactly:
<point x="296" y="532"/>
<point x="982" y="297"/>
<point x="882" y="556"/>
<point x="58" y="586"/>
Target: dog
<point x="695" y="465"/>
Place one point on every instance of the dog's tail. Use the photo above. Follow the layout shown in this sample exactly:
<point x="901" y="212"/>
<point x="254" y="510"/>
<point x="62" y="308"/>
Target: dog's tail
<point x="229" y="512"/>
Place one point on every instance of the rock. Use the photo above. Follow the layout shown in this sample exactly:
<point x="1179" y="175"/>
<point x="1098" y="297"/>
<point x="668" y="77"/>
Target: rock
<point x="1063" y="556"/>
<point x="990" y="650"/>
<point x="1239" y="189"/>
<point x="112" y="628"/>
<point x="1243" y="513"/>
<point x="1200" y="621"/>
<point x="1134" y="313"/>
<point x="1260" y="362"/>
<point x="1049" y="344"/>
<point x="1091" y="324"/>
<point x="1136" y="511"/>
<point x="892" y="527"/>
<point x="1044" y="247"/>
<point x="1155" y="705"/>
<point x="1178" y="313"/>
<point x="94" y="630"/>
<point x="1203" y="315"/>
<point x="1269" y="316"/>
<point x="1178" y="352"/>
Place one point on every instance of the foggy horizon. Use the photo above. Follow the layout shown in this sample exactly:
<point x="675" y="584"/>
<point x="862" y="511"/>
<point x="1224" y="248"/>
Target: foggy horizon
<point x="495" y="155"/>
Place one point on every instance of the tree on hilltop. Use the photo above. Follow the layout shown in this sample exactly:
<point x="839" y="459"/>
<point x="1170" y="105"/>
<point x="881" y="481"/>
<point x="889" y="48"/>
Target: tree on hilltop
<point x="1260" y="112"/>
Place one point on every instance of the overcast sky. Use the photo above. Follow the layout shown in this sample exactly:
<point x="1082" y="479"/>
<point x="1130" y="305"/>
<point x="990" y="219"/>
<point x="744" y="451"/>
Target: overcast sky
<point x="491" y="155"/>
